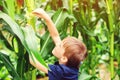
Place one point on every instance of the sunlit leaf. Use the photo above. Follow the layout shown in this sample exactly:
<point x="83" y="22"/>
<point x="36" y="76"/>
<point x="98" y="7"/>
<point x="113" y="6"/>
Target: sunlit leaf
<point x="31" y="42"/>
<point x="84" y="76"/>
<point x="25" y="37"/>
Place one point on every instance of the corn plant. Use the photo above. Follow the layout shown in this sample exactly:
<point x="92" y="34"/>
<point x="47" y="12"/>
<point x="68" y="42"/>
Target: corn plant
<point x="105" y="12"/>
<point x="22" y="35"/>
<point x="30" y="5"/>
<point x="111" y="28"/>
<point x="96" y="22"/>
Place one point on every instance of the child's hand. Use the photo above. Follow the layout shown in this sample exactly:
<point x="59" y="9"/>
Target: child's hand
<point x="51" y="26"/>
<point x="40" y="13"/>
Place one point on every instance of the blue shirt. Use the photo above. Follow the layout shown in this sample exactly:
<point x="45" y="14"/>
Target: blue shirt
<point x="62" y="72"/>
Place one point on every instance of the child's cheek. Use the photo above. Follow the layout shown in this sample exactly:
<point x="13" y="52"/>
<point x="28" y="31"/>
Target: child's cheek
<point x="56" y="52"/>
<point x="53" y="51"/>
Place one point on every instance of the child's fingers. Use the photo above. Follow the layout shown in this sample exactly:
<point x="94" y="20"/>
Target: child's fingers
<point x="38" y="11"/>
<point x="35" y="13"/>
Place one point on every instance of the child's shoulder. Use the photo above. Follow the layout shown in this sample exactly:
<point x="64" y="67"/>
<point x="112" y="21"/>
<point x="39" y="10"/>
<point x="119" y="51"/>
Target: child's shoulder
<point x="62" y="72"/>
<point x="63" y="69"/>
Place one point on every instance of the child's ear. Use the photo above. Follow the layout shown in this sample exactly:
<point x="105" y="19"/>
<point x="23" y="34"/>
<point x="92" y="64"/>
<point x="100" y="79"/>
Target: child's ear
<point x="64" y="59"/>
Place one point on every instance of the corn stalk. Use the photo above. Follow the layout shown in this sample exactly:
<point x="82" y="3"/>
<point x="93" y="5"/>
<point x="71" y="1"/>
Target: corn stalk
<point x="111" y="27"/>
<point x="71" y="11"/>
<point x="30" y="4"/>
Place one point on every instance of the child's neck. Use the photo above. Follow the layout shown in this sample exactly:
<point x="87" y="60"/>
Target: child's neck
<point x="60" y="62"/>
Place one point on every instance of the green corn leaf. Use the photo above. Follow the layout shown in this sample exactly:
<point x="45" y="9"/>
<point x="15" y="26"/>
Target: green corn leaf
<point x="84" y="76"/>
<point x="8" y="64"/>
<point x="82" y="24"/>
<point x="59" y="18"/>
<point x="31" y="41"/>
<point x="30" y="38"/>
<point x="14" y="26"/>
<point x="45" y="42"/>
<point x="26" y="38"/>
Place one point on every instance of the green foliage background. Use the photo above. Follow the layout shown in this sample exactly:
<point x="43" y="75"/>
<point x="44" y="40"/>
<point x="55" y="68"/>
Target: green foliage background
<point x="96" y="22"/>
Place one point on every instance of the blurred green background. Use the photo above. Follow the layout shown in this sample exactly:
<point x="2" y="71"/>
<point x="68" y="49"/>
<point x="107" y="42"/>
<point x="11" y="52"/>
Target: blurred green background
<point x="96" y="22"/>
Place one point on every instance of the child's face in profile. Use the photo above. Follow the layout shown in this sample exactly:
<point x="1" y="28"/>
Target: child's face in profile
<point x="58" y="51"/>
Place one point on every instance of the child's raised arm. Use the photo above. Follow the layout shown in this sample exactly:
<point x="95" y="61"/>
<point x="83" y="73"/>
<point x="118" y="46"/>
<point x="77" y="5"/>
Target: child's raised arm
<point x="51" y="27"/>
<point x="53" y="32"/>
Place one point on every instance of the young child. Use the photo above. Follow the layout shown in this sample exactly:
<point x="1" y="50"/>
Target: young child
<point x="70" y="52"/>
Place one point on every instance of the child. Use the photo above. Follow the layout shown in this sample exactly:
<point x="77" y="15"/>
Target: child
<point x="70" y="52"/>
